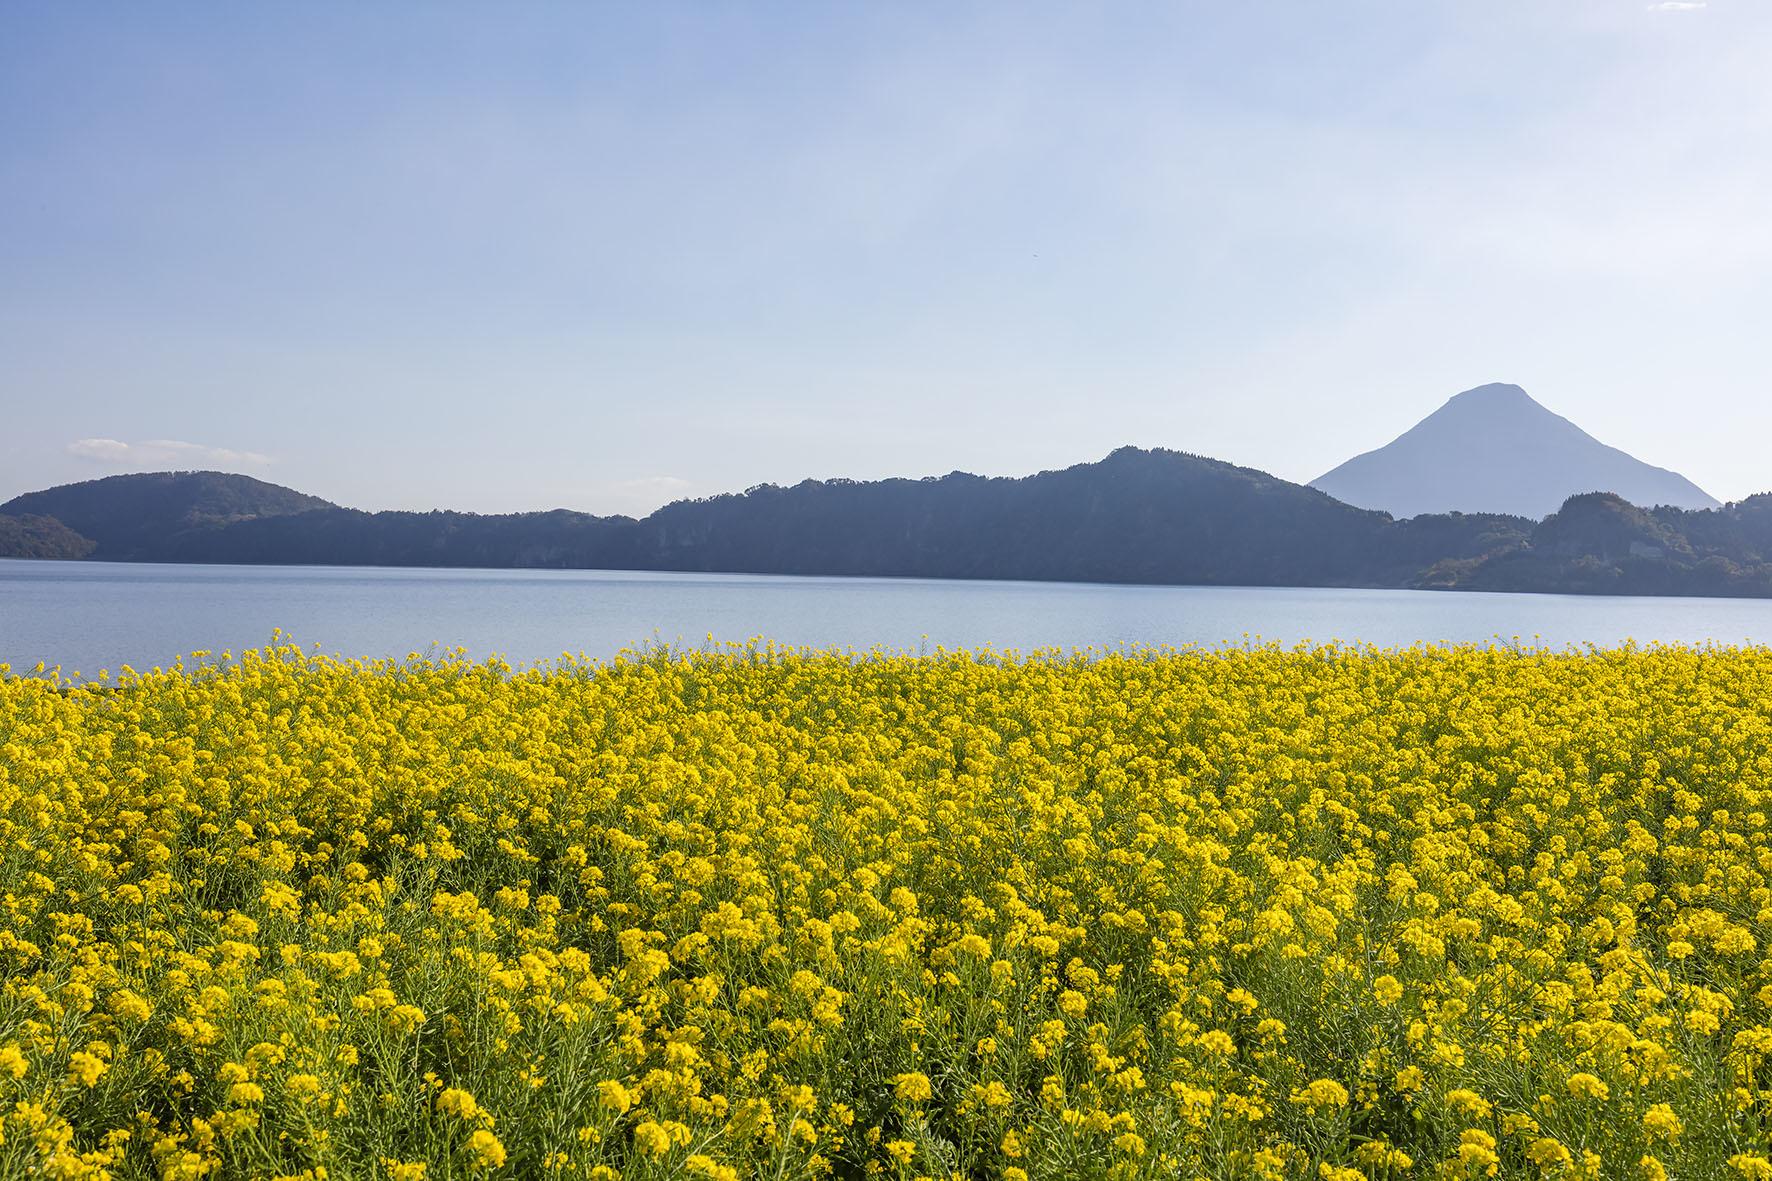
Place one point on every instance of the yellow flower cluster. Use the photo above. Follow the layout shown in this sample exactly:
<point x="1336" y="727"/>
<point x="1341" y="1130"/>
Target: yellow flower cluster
<point x="754" y="912"/>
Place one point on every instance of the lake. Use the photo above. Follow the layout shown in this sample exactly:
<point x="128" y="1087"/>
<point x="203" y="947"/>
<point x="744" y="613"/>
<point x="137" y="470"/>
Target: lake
<point x="90" y="615"/>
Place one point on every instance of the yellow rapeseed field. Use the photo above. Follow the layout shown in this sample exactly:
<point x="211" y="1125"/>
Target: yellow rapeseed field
<point x="1254" y="913"/>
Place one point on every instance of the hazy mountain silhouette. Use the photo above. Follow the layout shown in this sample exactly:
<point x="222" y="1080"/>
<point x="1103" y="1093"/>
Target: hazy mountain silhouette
<point x="1136" y="516"/>
<point x="1495" y="450"/>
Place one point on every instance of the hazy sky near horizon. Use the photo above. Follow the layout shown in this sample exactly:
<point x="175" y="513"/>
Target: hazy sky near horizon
<point x="522" y="256"/>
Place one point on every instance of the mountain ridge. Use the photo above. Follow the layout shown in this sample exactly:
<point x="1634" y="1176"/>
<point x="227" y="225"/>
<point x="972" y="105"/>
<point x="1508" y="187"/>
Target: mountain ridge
<point x="1135" y="516"/>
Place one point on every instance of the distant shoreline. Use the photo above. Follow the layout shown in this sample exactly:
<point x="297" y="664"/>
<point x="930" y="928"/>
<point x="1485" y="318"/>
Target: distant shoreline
<point x="687" y="575"/>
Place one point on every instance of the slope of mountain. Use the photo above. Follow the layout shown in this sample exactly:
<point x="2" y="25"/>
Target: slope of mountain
<point x="349" y="537"/>
<point x="29" y="536"/>
<point x="141" y="516"/>
<point x="1493" y="449"/>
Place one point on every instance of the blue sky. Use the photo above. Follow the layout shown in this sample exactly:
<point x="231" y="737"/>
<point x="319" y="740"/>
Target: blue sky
<point x="521" y="256"/>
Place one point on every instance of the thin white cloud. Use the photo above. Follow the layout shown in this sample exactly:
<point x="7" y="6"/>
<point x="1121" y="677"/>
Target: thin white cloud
<point x="100" y="450"/>
<point x="1679" y="5"/>
<point x="162" y="453"/>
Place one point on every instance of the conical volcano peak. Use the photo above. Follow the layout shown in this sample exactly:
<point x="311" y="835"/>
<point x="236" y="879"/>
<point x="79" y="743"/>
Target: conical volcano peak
<point x="1498" y="406"/>
<point x="1494" y="449"/>
<point x="1497" y="393"/>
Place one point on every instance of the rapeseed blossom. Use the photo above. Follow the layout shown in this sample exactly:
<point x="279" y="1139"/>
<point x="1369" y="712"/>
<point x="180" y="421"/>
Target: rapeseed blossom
<point x="485" y="1150"/>
<point x="761" y="912"/>
<point x="1661" y="1123"/>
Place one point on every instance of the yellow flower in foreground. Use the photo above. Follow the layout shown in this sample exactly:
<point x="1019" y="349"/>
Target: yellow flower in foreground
<point x="1468" y="1102"/>
<point x="912" y="1087"/>
<point x="85" y="1068"/>
<point x="613" y="1096"/>
<point x="1322" y="1095"/>
<point x="1476" y="1153"/>
<point x="700" y="1165"/>
<point x="1661" y="1123"/>
<point x="246" y="1094"/>
<point x="457" y="1102"/>
<point x="1586" y="1086"/>
<point x="651" y="1139"/>
<point x="1381" y="1155"/>
<point x="1751" y="1166"/>
<point x="486" y="1150"/>
<point x="405" y="1019"/>
<point x="1549" y="1154"/>
<point x="974" y="945"/>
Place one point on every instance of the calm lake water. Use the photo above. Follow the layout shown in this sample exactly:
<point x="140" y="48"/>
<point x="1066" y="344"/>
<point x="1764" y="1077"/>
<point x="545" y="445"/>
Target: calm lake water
<point x="90" y="615"/>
